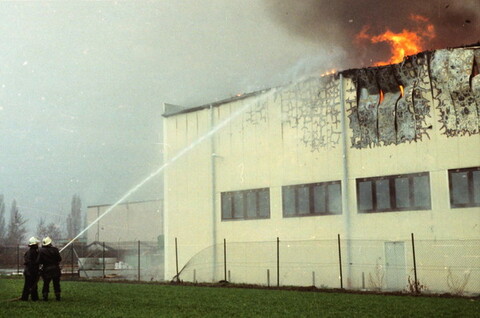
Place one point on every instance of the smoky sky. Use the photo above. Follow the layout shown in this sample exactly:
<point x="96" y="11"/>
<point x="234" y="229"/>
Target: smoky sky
<point x="336" y="23"/>
<point x="82" y="83"/>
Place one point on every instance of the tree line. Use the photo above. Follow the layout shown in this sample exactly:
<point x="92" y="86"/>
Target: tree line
<point x="15" y="231"/>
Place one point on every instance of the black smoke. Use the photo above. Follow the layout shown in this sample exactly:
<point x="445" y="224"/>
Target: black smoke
<point x="337" y="22"/>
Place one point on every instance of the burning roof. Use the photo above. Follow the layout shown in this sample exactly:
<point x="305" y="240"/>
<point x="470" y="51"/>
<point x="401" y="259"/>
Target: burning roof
<point x="390" y="104"/>
<point x="394" y="102"/>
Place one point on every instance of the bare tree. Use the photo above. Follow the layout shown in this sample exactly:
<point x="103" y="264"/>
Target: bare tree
<point x="42" y="228"/>
<point x="51" y="229"/>
<point x="16" y="227"/>
<point x="74" y="219"/>
<point x="3" y="226"/>
<point x="54" y="231"/>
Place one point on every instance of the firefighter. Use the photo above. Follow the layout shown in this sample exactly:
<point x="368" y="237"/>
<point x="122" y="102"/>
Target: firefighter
<point x="30" y="271"/>
<point x="49" y="257"/>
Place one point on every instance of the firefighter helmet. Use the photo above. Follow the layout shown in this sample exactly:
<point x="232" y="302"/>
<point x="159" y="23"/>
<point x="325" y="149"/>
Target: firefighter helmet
<point x="47" y="241"/>
<point x="33" y="241"/>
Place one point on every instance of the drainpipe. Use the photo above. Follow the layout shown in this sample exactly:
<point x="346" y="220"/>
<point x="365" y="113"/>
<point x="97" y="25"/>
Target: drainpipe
<point x="214" y="190"/>
<point x="345" y="194"/>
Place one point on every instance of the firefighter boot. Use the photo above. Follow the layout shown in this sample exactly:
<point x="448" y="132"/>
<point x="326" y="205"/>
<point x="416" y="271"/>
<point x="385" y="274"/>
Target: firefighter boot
<point x="57" y="296"/>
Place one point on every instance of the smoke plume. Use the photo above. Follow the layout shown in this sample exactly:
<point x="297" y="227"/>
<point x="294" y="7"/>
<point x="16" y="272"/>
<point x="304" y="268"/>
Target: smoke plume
<point x="337" y="23"/>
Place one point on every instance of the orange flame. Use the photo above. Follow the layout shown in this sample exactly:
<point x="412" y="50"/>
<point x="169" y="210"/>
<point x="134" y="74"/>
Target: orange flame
<point x="407" y="42"/>
<point x="329" y="72"/>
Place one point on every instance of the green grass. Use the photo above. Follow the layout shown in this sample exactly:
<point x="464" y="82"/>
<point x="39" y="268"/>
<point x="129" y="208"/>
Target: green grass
<point x="95" y="299"/>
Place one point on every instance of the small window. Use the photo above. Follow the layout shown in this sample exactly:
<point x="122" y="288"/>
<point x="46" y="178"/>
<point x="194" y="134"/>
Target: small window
<point x="247" y="204"/>
<point x="421" y="194"/>
<point x="312" y="199"/>
<point x="252" y="205"/>
<point x="227" y="206"/>
<point x="402" y="192"/>
<point x="334" y="192"/>
<point x="394" y="193"/>
<point x="238" y="205"/>
<point x="319" y="198"/>
<point x="382" y="191"/>
<point x="364" y="194"/>
<point x="263" y="196"/>
<point x="289" y="201"/>
<point x="303" y="198"/>
<point x="464" y="187"/>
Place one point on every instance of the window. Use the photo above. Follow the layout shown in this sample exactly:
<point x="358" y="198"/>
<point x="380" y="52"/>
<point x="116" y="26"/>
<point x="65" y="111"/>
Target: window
<point x="464" y="187"/>
<point x="394" y="193"/>
<point x="312" y="199"/>
<point x="247" y="204"/>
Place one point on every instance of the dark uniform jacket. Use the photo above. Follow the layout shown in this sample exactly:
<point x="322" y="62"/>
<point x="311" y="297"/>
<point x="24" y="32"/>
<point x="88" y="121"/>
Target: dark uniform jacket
<point x="30" y="262"/>
<point x="50" y="258"/>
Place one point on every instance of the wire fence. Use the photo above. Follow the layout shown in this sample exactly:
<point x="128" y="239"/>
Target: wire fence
<point x="413" y="266"/>
<point x="409" y="265"/>
<point x="137" y="260"/>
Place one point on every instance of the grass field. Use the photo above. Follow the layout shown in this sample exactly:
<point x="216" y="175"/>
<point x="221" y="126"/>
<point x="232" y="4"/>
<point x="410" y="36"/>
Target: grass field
<point x="95" y="299"/>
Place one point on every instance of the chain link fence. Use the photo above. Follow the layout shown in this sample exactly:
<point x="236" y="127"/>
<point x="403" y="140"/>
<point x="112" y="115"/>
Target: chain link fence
<point x="425" y="266"/>
<point x="138" y="260"/>
<point x="11" y="259"/>
<point x="414" y="266"/>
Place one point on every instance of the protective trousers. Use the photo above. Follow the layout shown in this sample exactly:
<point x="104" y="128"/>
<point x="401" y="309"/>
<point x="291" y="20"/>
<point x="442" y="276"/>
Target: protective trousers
<point x="30" y="287"/>
<point x="46" y="286"/>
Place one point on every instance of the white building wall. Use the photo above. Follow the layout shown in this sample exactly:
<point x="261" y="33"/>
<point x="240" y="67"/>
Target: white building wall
<point x="283" y="138"/>
<point x="193" y="218"/>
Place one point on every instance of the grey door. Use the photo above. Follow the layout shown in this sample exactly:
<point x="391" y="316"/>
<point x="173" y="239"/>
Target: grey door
<point x="395" y="270"/>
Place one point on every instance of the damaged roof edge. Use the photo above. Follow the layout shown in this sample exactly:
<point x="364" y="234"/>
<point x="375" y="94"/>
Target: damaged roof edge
<point x="349" y="72"/>
<point x="123" y="203"/>
<point x="172" y="110"/>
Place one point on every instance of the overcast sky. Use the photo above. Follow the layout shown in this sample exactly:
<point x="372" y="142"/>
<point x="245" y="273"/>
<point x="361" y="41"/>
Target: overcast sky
<point x="82" y="83"/>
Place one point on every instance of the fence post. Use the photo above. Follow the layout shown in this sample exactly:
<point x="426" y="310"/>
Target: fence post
<point x="138" y="260"/>
<point x="278" y="261"/>
<point x="176" y="258"/>
<point x="414" y="264"/>
<point x="18" y="259"/>
<point x="72" y="258"/>
<point x="103" y="259"/>
<point x="225" y="259"/>
<point x="340" y="261"/>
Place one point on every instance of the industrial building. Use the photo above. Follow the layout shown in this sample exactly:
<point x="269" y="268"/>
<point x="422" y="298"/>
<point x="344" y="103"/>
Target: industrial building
<point x="332" y="181"/>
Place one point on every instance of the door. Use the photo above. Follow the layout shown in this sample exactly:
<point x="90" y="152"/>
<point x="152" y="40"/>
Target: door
<point x="395" y="270"/>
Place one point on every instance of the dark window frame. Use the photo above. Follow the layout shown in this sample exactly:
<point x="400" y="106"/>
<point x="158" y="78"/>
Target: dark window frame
<point x="392" y="193"/>
<point x="311" y="199"/>
<point x="244" y="215"/>
<point x="471" y="194"/>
